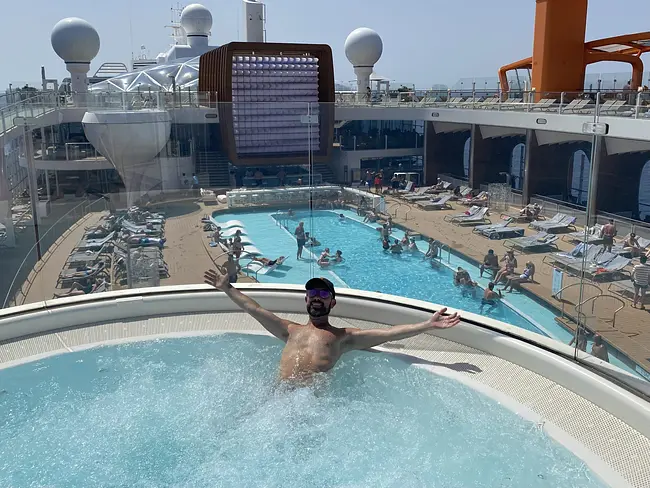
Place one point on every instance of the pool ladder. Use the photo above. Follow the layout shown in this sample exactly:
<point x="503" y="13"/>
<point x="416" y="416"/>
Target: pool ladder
<point x="442" y="246"/>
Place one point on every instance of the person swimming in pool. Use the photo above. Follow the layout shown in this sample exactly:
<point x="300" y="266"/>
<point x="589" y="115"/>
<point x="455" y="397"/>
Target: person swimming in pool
<point x="316" y="346"/>
<point x="490" y="297"/>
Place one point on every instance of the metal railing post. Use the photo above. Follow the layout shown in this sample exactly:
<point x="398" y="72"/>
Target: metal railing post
<point x="559" y="109"/>
<point x="638" y="103"/>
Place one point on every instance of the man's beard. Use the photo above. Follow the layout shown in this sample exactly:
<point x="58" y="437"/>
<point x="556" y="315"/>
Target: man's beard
<point x="318" y="311"/>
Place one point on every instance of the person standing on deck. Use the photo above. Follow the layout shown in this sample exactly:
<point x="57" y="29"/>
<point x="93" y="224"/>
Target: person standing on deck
<point x="608" y="232"/>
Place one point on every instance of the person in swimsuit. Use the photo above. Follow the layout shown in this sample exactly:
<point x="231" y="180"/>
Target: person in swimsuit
<point x="607" y="233"/>
<point x="490" y="297"/>
<point x="316" y="346"/>
<point x="270" y="262"/>
<point x="301" y="239"/>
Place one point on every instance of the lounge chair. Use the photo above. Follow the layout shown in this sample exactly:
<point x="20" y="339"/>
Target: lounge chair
<point x="467" y="213"/>
<point x="232" y="231"/>
<point x="595" y="258"/>
<point x="95" y="243"/>
<point x="522" y="216"/>
<point x="480" y="199"/>
<point x="574" y="259"/>
<point x="621" y="249"/>
<point x="72" y="275"/>
<point x="592" y="237"/>
<point x="463" y="193"/>
<point x="624" y="288"/>
<point x="261" y="269"/>
<point x="85" y="257"/>
<point x="445" y="186"/>
<point x="228" y="224"/>
<point x="97" y="287"/>
<point x="407" y="189"/>
<point x="499" y="231"/>
<point x="532" y="243"/>
<point x="419" y="194"/>
<point x="477" y="218"/>
<point x="251" y="251"/>
<point x="441" y="204"/>
<point x="557" y="223"/>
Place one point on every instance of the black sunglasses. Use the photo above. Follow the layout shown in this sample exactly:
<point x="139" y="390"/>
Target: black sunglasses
<point x="320" y="293"/>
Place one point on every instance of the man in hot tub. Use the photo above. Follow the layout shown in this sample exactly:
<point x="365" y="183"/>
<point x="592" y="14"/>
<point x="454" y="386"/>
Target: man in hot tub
<point x="316" y="346"/>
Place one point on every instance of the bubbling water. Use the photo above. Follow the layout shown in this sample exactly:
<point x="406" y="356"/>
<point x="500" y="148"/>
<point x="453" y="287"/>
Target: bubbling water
<point x="205" y="412"/>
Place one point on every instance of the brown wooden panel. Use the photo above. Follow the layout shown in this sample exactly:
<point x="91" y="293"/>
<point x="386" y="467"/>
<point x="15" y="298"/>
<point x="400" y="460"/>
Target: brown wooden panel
<point x="215" y="79"/>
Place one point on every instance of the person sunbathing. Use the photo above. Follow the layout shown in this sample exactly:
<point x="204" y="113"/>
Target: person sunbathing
<point x="631" y="245"/>
<point x="510" y="264"/>
<point x="527" y="275"/>
<point x="270" y="262"/>
<point x="78" y="289"/>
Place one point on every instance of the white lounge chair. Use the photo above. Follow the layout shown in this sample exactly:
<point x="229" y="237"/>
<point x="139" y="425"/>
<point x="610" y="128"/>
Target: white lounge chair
<point x="474" y="219"/>
<point x="441" y="204"/>
<point x="252" y="251"/>
<point x="229" y="224"/>
<point x="407" y="189"/>
<point x="467" y="213"/>
<point x="261" y="269"/>
<point x="232" y="231"/>
<point x="498" y="231"/>
<point x="532" y="243"/>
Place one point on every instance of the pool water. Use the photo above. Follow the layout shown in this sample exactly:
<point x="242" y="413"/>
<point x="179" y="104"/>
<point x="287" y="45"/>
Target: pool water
<point x="366" y="265"/>
<point x="206" y="411"/>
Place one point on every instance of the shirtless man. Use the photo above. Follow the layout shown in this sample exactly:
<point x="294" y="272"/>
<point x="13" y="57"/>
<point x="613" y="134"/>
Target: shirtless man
<point x="316" y="346"/>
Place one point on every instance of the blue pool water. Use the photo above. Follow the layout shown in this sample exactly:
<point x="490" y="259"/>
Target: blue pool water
<point x="204" y="412"/>
<point x="366" y="265"/>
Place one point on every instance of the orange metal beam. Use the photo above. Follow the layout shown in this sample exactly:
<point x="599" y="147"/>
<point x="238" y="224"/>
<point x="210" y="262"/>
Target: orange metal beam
<point x="635" y="61"/>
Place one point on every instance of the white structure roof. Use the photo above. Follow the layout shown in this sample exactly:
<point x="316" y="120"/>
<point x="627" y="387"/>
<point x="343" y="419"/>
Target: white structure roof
<point x="160" y="77"/>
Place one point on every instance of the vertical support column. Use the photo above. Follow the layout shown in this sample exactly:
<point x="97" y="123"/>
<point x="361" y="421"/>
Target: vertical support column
<point x="592" y="196"/>
<point x="5" y="204"/>
<point x="56" y="182"/>
<point x="47" y="183"/>
<point x="531" y="146"/>
<point x="473" y="173"/>
<point x="33" y="185"/>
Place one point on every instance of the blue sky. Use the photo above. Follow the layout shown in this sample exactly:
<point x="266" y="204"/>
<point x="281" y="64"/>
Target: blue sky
<point x="425" y="41"/>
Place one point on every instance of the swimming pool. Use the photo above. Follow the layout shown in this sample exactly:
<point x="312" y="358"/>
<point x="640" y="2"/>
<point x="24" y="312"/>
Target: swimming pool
<point x="368" y="267"/>
<point x="206" y="411"/>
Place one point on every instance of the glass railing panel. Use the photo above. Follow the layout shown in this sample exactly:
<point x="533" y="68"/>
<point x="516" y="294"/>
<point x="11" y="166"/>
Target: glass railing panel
<point x="142" y="208"/>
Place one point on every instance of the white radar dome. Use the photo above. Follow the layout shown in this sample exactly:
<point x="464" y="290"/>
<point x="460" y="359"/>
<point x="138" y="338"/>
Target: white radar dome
<point x="75" y="41"/>
<point x="196" y="20"/>
<point x="363" y="47"/>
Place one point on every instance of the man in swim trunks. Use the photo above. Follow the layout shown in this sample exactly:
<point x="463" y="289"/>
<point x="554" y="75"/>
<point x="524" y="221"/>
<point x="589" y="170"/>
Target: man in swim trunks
<point x="607" y="233"/>
<point x="316" y="346"/>
<point x="301" y="239"/>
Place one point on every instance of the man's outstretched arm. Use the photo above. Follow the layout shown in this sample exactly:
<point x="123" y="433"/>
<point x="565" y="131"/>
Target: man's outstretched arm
<point x="365" y="338"/>
<point x="271" y="322"/>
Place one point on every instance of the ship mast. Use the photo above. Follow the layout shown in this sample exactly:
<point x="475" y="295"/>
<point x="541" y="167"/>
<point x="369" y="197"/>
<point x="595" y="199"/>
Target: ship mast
<point x="179" y="38"/>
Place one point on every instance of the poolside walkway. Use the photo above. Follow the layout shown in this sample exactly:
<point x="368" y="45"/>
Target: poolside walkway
<point x="631" y="332"/>
<point x="188" y="256"/>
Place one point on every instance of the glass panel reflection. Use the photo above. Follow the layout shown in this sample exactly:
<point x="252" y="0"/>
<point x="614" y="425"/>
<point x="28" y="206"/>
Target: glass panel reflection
<point x="167" y="193"/>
